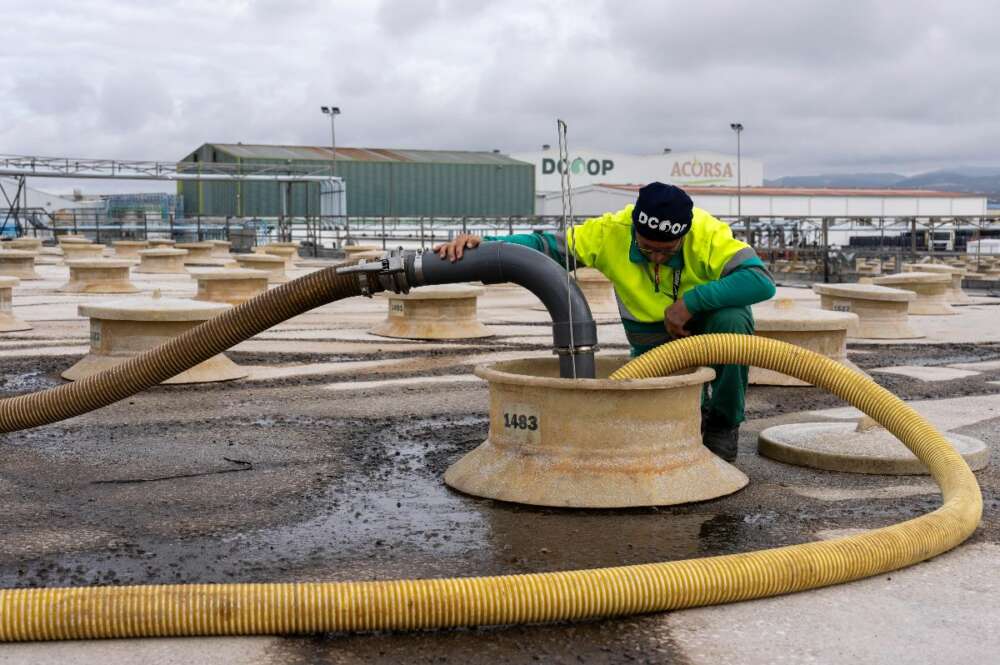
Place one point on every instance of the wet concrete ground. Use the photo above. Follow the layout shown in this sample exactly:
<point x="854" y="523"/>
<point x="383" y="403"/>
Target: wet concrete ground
<point x="281" y="479"/>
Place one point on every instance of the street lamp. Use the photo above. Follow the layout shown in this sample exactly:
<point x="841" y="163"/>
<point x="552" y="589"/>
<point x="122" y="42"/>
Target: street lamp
<point x="333" y="112"/>
<point x="738" y="128"/>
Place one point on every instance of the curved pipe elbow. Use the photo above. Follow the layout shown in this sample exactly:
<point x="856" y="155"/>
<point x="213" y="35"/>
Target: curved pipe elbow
<point x="574" y="331"/>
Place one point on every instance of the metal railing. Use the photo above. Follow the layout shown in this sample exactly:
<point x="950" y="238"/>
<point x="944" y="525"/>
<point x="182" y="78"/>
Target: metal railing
<point x="802" y="243"/>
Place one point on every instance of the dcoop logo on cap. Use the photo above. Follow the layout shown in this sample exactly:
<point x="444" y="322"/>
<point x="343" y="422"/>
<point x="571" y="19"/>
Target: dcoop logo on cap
<point x="656" y="224"/>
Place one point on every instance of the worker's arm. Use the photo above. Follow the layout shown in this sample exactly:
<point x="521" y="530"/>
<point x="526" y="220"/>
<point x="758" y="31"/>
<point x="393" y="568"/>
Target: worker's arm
<point x="744" y="284"/>
<point x="586" y="241"/>
<point x="550" y="244"/>
<point x="545" y="242"/>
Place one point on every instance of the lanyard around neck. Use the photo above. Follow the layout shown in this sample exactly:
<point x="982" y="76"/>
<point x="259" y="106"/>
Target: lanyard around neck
<point x="676" y="281"/>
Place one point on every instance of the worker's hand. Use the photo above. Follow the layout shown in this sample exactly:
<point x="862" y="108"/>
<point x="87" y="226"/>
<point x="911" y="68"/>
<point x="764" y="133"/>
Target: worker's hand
<point x="675" y="318"/>
<point x="453" y="250"/>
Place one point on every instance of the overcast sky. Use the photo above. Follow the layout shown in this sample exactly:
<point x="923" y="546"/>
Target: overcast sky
<point x="905" y="85"/>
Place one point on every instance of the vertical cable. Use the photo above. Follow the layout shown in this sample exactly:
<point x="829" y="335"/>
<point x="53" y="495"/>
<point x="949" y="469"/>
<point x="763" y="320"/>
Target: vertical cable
<point x="567" y="225"/>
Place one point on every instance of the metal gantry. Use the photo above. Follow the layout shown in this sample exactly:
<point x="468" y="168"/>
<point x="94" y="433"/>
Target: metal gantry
<point x="121" y="169"/>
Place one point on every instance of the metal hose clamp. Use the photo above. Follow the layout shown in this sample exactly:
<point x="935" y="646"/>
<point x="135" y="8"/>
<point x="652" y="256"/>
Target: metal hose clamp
<point x="389" y="272"/>
<point x="573" y="350"/>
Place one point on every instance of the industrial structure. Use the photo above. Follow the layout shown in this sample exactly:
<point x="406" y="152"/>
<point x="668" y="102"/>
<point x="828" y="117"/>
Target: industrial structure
<point x="787" y="202"/>
<point x="379" y="182"/>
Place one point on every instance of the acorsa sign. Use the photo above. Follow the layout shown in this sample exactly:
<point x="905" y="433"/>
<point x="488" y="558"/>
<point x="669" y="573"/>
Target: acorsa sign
<point x="578" y="166"/>
<point x="697" y="169"/>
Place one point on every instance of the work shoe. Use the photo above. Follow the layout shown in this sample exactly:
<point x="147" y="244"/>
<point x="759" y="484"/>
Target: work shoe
<point x="721" y="439"/>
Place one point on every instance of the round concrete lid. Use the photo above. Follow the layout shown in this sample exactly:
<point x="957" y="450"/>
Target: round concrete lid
<point x="838" y="446"/>
<point x="590" y="275"/>
<point x="259" y="258"/>
<point x="914" y="278"/>
<point x="865" y="292"/>
<point x="439" y="292"/>
<point x="544" y="373"/>
<point x="787" y="315"/>
<point x="933" y="267"/>
<point x="17" y="254"/>
<point x="148" y="308"/>
<point x="230" y="273"/>
<point x="8" y="282"/>
<point x="99" y="263"/>
<point x="130" y="243"/>
<point x="74" y="240"/>
<point x="227" y="243"/>
<point x="350" y="249"/>
<point x="164" y="251"/>
<point x="194" y="245"/>
<point x="209" y="262"/>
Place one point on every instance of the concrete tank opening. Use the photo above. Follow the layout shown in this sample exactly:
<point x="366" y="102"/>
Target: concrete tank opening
<point x="560" y="442"/>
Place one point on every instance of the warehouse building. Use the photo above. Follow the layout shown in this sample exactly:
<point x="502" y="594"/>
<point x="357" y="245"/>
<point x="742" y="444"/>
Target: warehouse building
<point x="403" y="183"/>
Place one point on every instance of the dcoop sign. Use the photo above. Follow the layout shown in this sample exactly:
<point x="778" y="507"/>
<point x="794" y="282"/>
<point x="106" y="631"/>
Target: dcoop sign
<point x="578" y="166"/>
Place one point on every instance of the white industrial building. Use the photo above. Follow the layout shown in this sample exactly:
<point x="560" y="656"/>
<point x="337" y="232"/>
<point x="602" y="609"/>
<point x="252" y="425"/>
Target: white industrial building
<point x="782" y="202"/>
<point x="37" y="199"/>
<point x="593" y="167"/>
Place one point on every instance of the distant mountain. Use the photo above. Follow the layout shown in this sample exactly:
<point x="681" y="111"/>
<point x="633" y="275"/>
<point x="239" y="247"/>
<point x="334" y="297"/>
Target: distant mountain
<point x="953" y="182"/>
<point x="971" y="179"/>
<point x="838" y="180"/>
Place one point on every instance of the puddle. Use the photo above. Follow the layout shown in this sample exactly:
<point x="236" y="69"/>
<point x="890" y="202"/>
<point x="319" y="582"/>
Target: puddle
<point x="381" y="510"/>
<point x="27" y="382"/>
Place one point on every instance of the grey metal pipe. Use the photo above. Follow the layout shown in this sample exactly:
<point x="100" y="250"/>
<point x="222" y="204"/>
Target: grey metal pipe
<point x="574" y="337"/>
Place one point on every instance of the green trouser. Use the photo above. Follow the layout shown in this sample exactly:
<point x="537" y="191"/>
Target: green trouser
<point x="724" y="398"/>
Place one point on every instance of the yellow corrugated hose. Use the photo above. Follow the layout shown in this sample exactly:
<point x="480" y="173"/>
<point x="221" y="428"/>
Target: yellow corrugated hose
<point x="246" y="609"/>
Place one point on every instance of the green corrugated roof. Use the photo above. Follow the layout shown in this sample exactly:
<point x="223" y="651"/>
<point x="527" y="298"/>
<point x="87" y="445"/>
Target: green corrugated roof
<point x="319" y="153"/>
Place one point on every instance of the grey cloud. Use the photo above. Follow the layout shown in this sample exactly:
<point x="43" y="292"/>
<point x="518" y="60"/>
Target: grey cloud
<point x="55" y="93"/>
<point x="856" y="85"/>
<point x="131" y="98"/>
<point x="401" y="18"/>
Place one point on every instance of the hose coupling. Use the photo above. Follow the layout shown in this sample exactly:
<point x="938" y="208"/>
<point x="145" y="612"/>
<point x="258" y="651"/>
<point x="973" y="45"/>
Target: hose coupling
<point x="386" y="274"/>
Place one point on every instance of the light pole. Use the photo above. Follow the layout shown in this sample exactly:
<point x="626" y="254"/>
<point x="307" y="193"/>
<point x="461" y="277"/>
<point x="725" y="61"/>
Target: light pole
<point x="333" y="112"/>
<point x="738" y="128"/>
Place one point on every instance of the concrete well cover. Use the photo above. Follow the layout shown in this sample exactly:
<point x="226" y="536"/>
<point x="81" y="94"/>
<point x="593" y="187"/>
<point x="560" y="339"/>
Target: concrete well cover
<point x="31" y="244"/>
<point x="818" y="330"/>
<point x="593" y="443"/>
<point x="9" y="322"/>
<point x="18" y="263"/>
<point x="933" y="291"/>
<point x="865" y="292"/>
<point x="840" y="446"/>
<point x="234" y="285"/>
<point x="99" y="276"/>
<point x="447" y="311"/>
<point x="957" y="295"/>
<point x="274" y="265"/>
<point x="124" y="328"/>
<point x="162" y="260"/>
<point x="914" y="278"/>
<point x="882" y="311"/>
<point x="786" y="315"/>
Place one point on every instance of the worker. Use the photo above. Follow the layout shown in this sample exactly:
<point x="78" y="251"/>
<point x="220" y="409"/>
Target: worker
<point x="676" y="271"/>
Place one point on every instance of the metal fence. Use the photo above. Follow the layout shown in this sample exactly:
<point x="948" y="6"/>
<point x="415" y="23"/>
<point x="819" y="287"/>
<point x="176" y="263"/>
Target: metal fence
<point x="803" y="243"/>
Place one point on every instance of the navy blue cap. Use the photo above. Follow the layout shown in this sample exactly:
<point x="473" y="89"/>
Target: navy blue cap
<point x="662" y="212"/>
